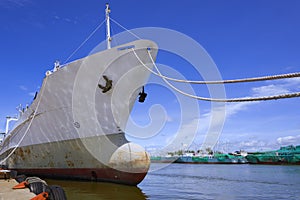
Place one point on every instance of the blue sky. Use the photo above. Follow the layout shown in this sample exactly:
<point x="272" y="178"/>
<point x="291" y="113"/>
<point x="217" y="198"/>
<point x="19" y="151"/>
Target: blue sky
<point x="244" y="38"/>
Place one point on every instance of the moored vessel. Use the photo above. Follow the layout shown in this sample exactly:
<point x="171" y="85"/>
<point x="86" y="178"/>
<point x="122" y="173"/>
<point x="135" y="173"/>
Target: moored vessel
<point x="208" y="159"/>
<point x="163" y="159"/>
<point x="285" y="155"/>
<point x="74" y="128"/>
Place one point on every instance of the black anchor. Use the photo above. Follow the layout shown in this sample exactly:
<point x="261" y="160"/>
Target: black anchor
<point x="107" y="86"/>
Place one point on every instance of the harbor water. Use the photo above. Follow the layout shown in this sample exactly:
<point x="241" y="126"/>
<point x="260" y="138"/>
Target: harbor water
<point x="197" y="181"/>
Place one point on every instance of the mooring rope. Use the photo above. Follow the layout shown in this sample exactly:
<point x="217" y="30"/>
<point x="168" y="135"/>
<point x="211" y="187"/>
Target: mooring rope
<point x="262" y="78"/>
<point x="244" y="99"/>
<point x="29" y="125"/>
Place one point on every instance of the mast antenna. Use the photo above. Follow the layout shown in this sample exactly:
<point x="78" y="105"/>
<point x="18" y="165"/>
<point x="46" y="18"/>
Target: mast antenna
<point x="108" y="38"/>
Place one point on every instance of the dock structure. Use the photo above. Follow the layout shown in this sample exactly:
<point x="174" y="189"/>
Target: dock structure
<point x="7" y="193"/>
<point x="13" y="187"/>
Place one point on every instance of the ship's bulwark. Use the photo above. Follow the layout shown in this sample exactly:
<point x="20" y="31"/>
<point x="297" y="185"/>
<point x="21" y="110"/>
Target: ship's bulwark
<point x="74" y="130"/>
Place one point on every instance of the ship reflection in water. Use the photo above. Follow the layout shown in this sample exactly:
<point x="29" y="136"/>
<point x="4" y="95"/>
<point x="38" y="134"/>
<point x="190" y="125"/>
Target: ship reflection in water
<point x="98" y="190"/>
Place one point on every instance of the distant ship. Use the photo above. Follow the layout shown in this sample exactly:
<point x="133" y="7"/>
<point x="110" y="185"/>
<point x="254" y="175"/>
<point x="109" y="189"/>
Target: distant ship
<point x="209" y="159"/>
<point x="163" y="159"/>
<point x="73" y="129"/>
<point x="285" y="155"/>
<point x="216" y="158"/>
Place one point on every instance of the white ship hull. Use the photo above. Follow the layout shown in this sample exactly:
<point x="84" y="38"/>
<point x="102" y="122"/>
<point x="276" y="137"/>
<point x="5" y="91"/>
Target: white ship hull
<point x="75" y="130"/>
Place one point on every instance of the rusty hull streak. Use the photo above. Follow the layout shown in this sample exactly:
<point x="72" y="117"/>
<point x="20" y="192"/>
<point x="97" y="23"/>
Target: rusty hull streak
<point x="128" y="164"/>
<point x="70" y="163"/>
<point x="51" y="164"/>
<point x="138" y="163"/>
<point x="20" y="152"/>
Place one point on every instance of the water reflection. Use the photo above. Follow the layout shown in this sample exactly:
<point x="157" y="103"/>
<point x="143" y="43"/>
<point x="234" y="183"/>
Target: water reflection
<point x="97" y="190"/>
<point x="190" y="181"/>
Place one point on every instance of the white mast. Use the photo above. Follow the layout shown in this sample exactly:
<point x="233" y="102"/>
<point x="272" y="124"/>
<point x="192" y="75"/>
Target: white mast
<point x="108" y="38"/>
<point x="9" y="119"/>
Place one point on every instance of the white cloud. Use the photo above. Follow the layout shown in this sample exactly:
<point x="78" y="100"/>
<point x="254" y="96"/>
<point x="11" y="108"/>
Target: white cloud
<point x="12" y="3"/>
<point x="293" y="82"/>
<point x="280" y="87"/>
<point x="252" y="143"/>
<point x="22" y="87"/>
<point x="232" y="109"/>
<point x="256" y="143"/>
<point x="270" y="90"/>
<point x="288" y="140"/>
<point x="184" y="137"/>
<point x="211" y="123"/>
<point x="31" y="94"/>
<point x="65" y="19"/>
<point x="286" y="86"/>
<point x="261" y="145"/>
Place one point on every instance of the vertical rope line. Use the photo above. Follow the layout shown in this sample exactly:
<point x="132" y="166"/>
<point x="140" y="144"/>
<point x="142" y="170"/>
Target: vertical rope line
<point x="29" y="125"/>
<point x="75" y="51"/>
<point x="126" y="29"/>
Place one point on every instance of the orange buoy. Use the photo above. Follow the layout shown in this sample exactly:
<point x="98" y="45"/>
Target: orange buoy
<point x="41" y="196"/>
<point x="21" y="185"/>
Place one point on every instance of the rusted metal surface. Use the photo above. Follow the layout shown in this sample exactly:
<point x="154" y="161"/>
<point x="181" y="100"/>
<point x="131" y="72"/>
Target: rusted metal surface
<point x="127" y="164"/>
<point x="130" y="158"/>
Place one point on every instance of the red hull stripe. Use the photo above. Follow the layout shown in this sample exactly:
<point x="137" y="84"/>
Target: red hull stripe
<point x="95" y="174"/>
